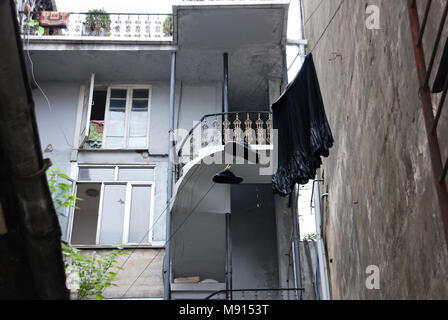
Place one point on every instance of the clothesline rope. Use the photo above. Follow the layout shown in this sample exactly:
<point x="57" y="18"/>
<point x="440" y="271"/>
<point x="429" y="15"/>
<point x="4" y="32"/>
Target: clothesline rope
<point x="323" y="33"/>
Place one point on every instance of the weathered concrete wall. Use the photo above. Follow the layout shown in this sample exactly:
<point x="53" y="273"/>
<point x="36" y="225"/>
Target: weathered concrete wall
<point x="382" y="207"/>
<point x="141" y="277"/>
<point x="254" y="243"/>
<point x="285" y="254"/>
<point x="57" y="121"/>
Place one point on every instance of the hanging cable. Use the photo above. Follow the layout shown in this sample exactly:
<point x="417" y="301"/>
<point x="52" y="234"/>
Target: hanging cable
<point x="323" y="33"/>
<point x="314" y="11"/>
<point x="159" y="217"/>
<point x="328" y="25"/>
<point x="173" y="234"/>
<point x="26" y="40"/>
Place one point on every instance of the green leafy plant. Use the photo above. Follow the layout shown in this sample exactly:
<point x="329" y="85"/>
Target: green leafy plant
<point x="61" y="191"/>
<point x="96" y="20"/>
<point x="168" y="26"/>
<point x="90" y="274"/>
<point x="94" y="272"/>
<point x="310" y="236"/>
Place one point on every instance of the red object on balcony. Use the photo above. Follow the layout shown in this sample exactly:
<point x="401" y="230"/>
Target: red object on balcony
<point x="54" y="19"/>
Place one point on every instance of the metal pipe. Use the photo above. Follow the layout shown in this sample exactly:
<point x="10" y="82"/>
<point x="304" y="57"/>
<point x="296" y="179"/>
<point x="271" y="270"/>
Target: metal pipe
<point x="302" y="47"/>
<point x="167" y="262"/>
<point x="285" y="70"/>
<point x="295" y="235"/>
<point x="253" y="290"/>
<point x="321" y="254"/>
<point x="225" y="100"/>
<point x="228" y="258"/>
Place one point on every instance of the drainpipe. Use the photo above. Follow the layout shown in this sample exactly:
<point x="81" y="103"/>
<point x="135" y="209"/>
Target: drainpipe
<point x="228" y="258"/>
<point x="285" y="69"/>
<point x="295" y="225"/>
<point x="225" y="108"/>
<point x="225" y="92"/>
<point x="323" y="267"/>
<point x="302" y="47"/>
<point x="167" y="262"/>
<point x="295" y="235"/>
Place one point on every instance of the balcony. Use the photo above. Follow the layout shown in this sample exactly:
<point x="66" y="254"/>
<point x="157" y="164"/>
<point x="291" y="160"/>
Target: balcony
<point x="97" y="25"/>
<point x="213" y="131"/>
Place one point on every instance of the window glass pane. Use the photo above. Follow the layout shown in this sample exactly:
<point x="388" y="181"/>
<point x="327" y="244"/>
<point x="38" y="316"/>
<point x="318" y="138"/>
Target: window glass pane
<point x="118" y="93"/>
<point x="96" y="174"/>
<point x="116" y="121"/>
<point x="140" y="93"/>
<point x="140" y="213"/>
<point x="138" y="126"/>
<point x="115" y="142"/>
<point x="117" y="104"/>
<point x="113" y="214"/>
<point x="85" y="218"/>
<point x="63" y="211"/>
<point x="140" y="105"/>
<point x="136" y="174"/>
<point x="137" y="142"/>
<point x="115" y="125"/>
<point x="139" y="117"/>
<point x="139" y="123"/>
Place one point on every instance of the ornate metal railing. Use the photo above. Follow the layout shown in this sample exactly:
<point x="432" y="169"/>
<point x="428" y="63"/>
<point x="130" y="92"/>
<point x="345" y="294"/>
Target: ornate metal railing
<point x="256" y="294"/>
<point x="110" y="26"/>
<point x="253" y="127"/>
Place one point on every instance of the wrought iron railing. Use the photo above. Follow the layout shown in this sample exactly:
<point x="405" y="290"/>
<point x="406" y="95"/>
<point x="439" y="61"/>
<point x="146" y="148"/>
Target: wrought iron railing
<point x="110" y="26"/>
<point x="256" y="294"/>
<point x="439" y="162"/>
<point x="253" y="127"/>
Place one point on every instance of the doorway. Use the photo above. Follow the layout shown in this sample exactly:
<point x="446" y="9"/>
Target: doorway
<point x="254" y="241"/>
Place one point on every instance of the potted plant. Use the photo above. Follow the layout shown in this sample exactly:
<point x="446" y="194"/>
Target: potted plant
<point x="168" y="26"/>
<point x="97" y="23"/>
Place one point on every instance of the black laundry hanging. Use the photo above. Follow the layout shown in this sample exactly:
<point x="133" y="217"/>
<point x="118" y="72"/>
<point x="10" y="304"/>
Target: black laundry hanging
<point x="304" y="134"/>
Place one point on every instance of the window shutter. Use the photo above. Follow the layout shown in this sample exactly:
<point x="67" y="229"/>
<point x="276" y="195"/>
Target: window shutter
<point x="87" y="109"/>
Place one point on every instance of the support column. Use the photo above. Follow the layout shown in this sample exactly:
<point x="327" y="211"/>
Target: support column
<point x="225" y="100"/>
<point x="167" y="261"/>
<point x="285" y="70"/>
<point x="229" y="295"/>
<point x="323" y="268"/>
<point x="295" y="235"/>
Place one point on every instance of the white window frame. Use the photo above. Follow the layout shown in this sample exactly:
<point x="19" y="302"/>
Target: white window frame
<point x="129" y="95"/>
<point x="128" y="201"/>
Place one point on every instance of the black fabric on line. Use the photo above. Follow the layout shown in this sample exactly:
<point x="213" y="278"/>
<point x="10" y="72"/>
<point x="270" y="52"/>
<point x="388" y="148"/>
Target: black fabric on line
<point x="304" y="134"/>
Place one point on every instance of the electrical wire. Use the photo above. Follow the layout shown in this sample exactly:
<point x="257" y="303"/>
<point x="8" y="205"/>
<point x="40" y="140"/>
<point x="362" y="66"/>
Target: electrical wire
<point x="314" y="11"/>
<point x="323" y="33"/>
<point x="26" y="39"/>
<point x="328" y="25"/>
<point x="159" y="217"/>
<point x="172" y="235"/>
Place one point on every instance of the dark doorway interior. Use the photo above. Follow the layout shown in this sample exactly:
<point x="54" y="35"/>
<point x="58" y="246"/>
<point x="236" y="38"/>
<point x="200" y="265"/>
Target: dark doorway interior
<point x="99" y="105"/>
<point x="254" y="241"/>
<point x="85" y="219"/>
